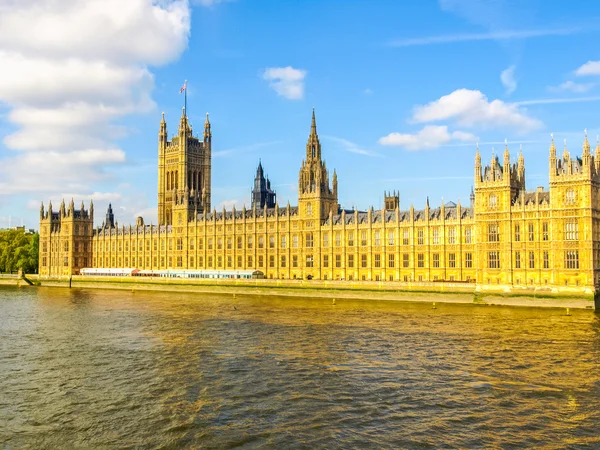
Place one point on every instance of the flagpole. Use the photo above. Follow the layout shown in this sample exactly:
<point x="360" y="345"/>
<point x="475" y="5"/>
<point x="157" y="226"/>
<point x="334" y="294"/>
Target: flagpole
<point x="185" y="98"/>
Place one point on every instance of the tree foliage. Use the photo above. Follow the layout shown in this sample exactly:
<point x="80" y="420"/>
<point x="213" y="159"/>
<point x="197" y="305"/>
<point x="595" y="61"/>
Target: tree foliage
<point x="19" y="251"/>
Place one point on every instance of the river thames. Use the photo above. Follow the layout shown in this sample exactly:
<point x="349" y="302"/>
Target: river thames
<point x="120" y="369"/>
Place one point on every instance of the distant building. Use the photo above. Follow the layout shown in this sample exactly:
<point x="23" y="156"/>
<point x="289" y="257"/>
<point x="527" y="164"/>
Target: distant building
<point x="262" y="195"/>
<point x="506" y="236"/>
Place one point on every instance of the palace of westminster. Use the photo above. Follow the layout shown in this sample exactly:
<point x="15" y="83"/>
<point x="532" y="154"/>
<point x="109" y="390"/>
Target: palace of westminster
<point x="505" y="236"/>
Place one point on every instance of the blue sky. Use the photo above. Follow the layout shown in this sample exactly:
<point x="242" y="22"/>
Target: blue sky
<point x="403" y="91"/>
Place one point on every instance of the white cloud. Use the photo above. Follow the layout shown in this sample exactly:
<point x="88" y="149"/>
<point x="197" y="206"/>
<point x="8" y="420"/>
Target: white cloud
<point x="229" y="204"/>
<point x="76" y="67"/>
<point x="508" y="79"/>
<point x="589" y="68"/>
<point x="571" y="86"/>
<point x="431" y="136"/>
<point x="472" y="108"/>
<point x="367" y="91"/>
<point x="286" y="81"/>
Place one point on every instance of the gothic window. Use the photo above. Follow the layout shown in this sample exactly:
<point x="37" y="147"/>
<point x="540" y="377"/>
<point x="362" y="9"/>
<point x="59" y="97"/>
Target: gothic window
<point x="309" y="240"/>
<point x="363" y="238"/>
<point x="390" y="238"/>
<point x="338" y="261"/>
<point x="517" y="260"/>
<point x="363" y="261"/>
<point x="351" y="261"/>
<point x="468" y="235"/>
<point x="531" y="260"/>
<point x="545" y="231"/>
<point x="271" y="241"/>
<point x="493" y="260"/>
<point x="436" y="260"/>
<point x="309" y="209"/>
<point x="405" y="260"/>
<point x="179" y="219"/>
<point x="295" y="261"/>
<point x="572" y="259"/>
<point x="325" y="261"/>
<point x="325" y="240"/>
<point x="309" y="260"/>
<point x="338" y="239"/>
<point x="405" y="237"/>
<point x="313" y="151"/>
<point x="531" y="232"/>
<point x="391" y="261"/>
<point x="283" y="261"/>
<point x="261" y="242"/>
<point x="420" y="236"/>
<point x="546" y="262"/>
<point x="570" y="196"/>
<point x="283" y="241"/>
<point x="436" y="236"/>
<point x="377" y="260"/>
<point x="468" y="260"/>
<point x="350" y="239"/>
<point x="493" y="233"/>
<point x="452" y="235"/>
<point x="377" y="238"/>
<point x="191" y="244"/>
<point x="295" y="241"/>
<point x="420" y="260"/>
<point x="493" y="203"/>
<point x="571" y="232"/>
<point x="452" y="260"/>
<point x="517" y="232"/>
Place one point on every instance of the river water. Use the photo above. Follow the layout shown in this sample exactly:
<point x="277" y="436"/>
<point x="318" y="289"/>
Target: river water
<point x="104" y="369"/>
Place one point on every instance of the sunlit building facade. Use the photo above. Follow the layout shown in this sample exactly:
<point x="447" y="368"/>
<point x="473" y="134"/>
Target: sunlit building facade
<point x="506" y="237"/>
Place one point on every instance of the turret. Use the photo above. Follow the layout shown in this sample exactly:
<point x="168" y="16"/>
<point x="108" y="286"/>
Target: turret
<point x="183" y="123"/>
<point x="63" y="212"/>
<point x="597" y="155"/>
<point x="335" y="184"/>
<point x="207" y="132"/>
<point x="586" y="155"/>
<point x="552" y="160"/>
<point x="477" y="166"/>
<point x="162" y="133"/>
<point x="521" y="167"/>
<point x="42" y="211"/>
<point x="71" y="207"/>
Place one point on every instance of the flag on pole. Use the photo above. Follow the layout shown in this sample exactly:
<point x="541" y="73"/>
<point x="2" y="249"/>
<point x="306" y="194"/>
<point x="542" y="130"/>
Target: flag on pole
<point x="184" y="87"/>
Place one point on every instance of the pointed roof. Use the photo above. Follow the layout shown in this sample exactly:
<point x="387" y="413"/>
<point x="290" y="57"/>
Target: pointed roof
<point x="313" y="124"/>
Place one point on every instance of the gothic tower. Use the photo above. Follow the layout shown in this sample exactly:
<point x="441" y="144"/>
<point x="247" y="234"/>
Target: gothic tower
<point x="262" y="194"/>
<point x="315" y="196"/>
<point x="184" y="171"/>
<point x="496" y="189"/>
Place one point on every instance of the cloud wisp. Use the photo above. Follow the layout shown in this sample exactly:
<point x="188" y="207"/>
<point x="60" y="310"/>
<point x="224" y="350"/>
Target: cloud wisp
<point x="349" y="146"/>
<point x="286" y="81"/>
<point x="507" y="77"/>
<point x="589" y="68"/>
<point x="488" y="36"/>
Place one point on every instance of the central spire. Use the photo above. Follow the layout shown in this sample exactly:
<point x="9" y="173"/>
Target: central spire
<point x="313" y="146"/>
<point x="313" y="125"/>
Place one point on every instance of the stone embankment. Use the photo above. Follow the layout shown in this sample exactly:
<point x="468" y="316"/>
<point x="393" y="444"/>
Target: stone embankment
<point x="441" y="292"/>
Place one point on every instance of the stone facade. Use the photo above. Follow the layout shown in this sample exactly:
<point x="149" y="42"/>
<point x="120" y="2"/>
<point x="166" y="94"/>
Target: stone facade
<point x="506" y="237"/>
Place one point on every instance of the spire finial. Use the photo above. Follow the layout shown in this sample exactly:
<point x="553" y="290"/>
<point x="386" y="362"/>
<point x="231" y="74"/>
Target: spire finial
<point x="552" y="136"/>
<point x="585" y="132"/>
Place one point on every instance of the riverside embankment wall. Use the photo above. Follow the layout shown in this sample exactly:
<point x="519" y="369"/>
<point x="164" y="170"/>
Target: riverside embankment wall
<point x="399" y="291"/>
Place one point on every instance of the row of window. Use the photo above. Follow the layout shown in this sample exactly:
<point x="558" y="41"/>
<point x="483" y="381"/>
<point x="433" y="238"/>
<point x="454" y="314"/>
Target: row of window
<point x="571" y="231"/>
<point x="571" y="260"/>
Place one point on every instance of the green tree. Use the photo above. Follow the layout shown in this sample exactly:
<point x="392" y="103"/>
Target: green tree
<point x="19" y="251"/>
